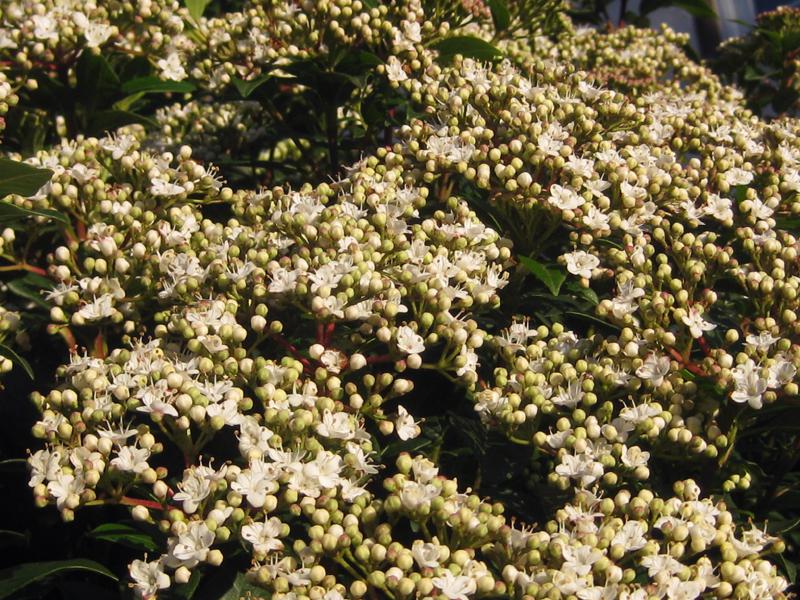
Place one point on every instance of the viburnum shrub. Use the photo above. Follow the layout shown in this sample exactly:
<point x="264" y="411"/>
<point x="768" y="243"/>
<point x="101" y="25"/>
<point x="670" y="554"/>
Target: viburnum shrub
<point x="765" y="62"/>
<point x="400" y="300"/>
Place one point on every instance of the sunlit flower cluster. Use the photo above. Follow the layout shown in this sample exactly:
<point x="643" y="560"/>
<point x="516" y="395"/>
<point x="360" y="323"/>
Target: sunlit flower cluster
<point x="589" y="239"/>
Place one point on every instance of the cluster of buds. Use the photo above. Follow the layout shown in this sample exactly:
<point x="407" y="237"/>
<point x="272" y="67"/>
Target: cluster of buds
<point x="764" y="63"/>
<point x="245" y="371"/>
<point x="53" y="34"/>
<point x="606" y="547"/>
<point x="214" y="131"/>
<point x="630" y="59"/>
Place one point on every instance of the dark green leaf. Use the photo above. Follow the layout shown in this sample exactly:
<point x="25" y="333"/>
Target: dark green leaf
<point x="119" y="533"/>
<point x="21" y="179"/>
<point x="468" y="46"/>
<point x="587" y="294"/>
<point x="696" y="8"/>
<point x="128" y="101"/>
<point x="187" y="590"/>
<point x="196" y="7"/>
<point x="500" y="14"/>
<point x="109" y="120"/>
<point x="790" y="568"/>
<point x="12" y="538"/>
<point x="410" y="446"/>
<point x="243" y="588"/>
<point x="588" y="317"/>
<point x="16" y="359"/>
<point x="11" y="212"/>
<point x="245" y="88"/>
<point x="31" y="286"/>
<point x="552" y="277"/>
<point x="154" y="84"/>
<point x="97" y="83"/>
<point x="16" y="578"/>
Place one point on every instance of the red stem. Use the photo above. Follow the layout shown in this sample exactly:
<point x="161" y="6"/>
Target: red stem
<point x="690" y="366"/>
<point x="128" y="501"/>
<point x="704" y="345"/>
<point x="295" y="352"/>
<point x="379" y="358"/>
<point x="100" y="346"/>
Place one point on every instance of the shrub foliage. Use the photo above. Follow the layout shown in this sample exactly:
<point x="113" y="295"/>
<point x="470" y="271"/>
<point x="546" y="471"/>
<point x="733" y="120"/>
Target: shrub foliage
<point x="421" y="299"/>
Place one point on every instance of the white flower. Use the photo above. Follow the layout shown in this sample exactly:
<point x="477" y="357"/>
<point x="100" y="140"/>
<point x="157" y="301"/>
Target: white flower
<point x="654" y="369"/>
<point x="750" y="386"/>
<point x="95" y="33"/>
<point x="423" y="469"/>
<point x="45" y="466"/>
<point x="455" y="587"/>
<point x="44" y="27"/>
<point x="760" y="209"/>
<point x="405" y="426"/>
<point x="763" y="341"/>
<point x="394" y="70"/>
<point x="148" y="577"/>
<point x="661" y="562"/>
<point x="719" y="208"/>
<point x="581" y="263"/>
<point x="336" y="426"/>
<point x="159" y="187"/>
<point x="99" y="308"/>
<point x="414" y="495"/>
<point x="132" y="459"/>
<point x="408" y="341"/>
<point x="564" y="198"/>
<point x="191" y="547"/>
<point x="64" y="488"/>
<point x="581" y="467"/>
<point x="569" y="397"/>
<point x="193" y="490"/>
<point x="781" y="372"/>
<point x="631" y="536"/>
<point x="633" y="456"/>
<point x="625" y="301"/>
<point x="118" y="145"/>
<point x="426" y="554"/>
<point x="256" y="482"/>
<point x="695" y="322"/>
<point x="172" y="68"/>
<point x="264" y="536"/>
<point x="737" y="176"/>
<point x="580" y="559"/>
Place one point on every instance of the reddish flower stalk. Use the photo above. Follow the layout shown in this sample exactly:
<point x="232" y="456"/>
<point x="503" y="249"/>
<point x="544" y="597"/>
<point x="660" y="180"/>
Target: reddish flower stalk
<point x="128" y="501"/>
<point x="307" y="366"/>
<point x="689" y="365"/>
<point x="379" y="358"/>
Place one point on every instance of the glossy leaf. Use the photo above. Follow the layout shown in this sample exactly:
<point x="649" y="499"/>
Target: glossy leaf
<point x="18" y="577"/>
<point x="10" y="213"/>
<point x="196" y="7"/>
<point x="501" y="16"/>
<point x="16" y="359"/>
<point x="468" y="46"/>
<point x="243" y="588"/>
<point x="696" y="8"/>
<point x="155" y="85"/>
<point x="119" y="533"/>
<point x="246" y="88"/>
<point x="551" y="277"/>
<point x="20" y="178"/>
<point x="30" y="286"/>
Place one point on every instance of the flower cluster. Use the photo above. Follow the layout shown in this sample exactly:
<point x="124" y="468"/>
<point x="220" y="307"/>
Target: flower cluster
<point x="244" y="362"/>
